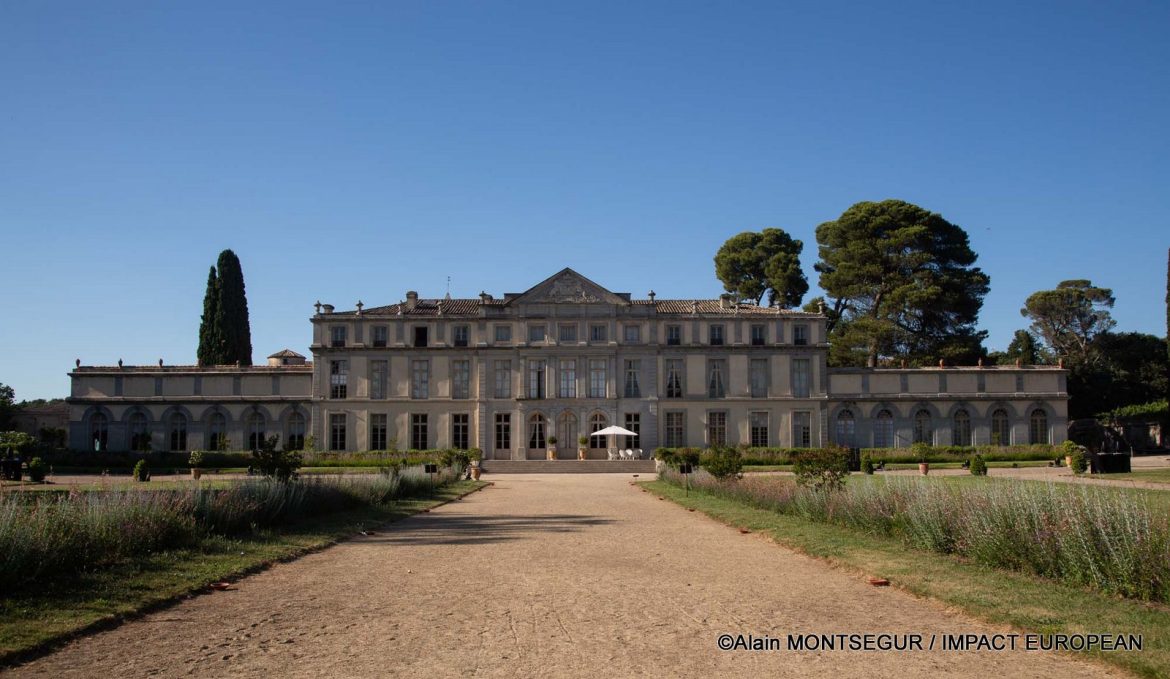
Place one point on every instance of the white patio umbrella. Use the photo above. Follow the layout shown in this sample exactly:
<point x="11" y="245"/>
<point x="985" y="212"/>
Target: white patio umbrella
<point x="614" y="431"/>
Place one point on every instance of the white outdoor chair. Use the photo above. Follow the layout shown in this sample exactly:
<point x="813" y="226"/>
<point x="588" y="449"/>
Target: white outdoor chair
<point x="627" y="454"/>
<point x="612" y="453"/>
<point x="638" y="453"/>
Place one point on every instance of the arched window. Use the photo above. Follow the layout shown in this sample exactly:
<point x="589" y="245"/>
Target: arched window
<point x="846" y="428"/>
<point x="255" y="430"/>
<point x="537" y="424"/>
<point x="295" y="440"/>
<point x="883" y="431"/>
<point x="1001" y="428"/>
<point x="139" y="432"/>
<point x="216" y="432"/>
<point x="923" y="427"/>
<point x="99" y="431"/>
<point x="596" y="423"/>
<point x="567" y="431"/>
<point x="1038" y="427"/>
<point x="961" y="429"/>
<point x="177" y="431"/>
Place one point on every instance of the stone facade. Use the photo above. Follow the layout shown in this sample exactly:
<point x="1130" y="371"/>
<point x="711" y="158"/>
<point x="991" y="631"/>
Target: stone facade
<point x="563" y="359"/>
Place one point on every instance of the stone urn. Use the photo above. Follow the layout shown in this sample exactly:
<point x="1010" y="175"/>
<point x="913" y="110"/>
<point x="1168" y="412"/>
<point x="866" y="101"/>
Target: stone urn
<point x="196" y="472"/>
<point x="924" y="468"/>
<point x="475" y="472"/>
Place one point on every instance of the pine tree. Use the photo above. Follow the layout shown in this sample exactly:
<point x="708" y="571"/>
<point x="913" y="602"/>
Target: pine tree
<point x="232" y="310"/>
<point x="209" y="352"/>
<point x="1168" y="324"/>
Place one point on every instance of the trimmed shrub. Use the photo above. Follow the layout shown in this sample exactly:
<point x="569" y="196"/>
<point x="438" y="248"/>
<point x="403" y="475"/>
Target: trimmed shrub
<point x="36" y="470"/>
<point x="866" y="464"/>
<point x="821" y="468"/>
<point x="978" y="467"/>
<point x="141" y="471"/>
<point x="281" y="465"/>
<point x="722" y="463"/>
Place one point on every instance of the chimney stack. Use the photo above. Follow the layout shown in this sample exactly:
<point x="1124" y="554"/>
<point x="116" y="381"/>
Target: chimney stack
<point x="411" y="300"/>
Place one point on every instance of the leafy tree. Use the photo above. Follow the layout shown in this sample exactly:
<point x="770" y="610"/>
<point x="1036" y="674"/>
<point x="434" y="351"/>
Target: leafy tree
<point x="901" y="282"/>
<point x="722" y="462"/>
<point x="1023" y="348"/>
<point x="232" y="310"/>
<point x="1070" y="317"/>
<point x="279" y="464"/>
<point x="1127" y="368"/>
<point x="210" y="350"/>
<point x="7" y="407"/>
<point x="1168" y="328"/>
<point x="752" y="264"/>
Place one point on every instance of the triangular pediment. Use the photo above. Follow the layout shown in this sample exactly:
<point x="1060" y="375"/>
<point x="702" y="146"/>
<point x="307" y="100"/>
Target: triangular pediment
<point x="568" y="287"/>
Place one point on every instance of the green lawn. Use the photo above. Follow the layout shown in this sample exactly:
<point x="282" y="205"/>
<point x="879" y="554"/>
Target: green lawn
<point x="1022" y="601"/>
<point x="904" y="465"/>
<point x="54" y="611"/>
<point x="1151" y="475"/>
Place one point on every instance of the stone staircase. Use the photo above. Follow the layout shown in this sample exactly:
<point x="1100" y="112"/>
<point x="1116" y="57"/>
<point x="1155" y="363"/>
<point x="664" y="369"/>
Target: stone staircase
<point x="644" y="467"/>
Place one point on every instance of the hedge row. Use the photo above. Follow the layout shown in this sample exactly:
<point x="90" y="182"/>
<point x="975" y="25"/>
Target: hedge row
<point x="782" y="456"/>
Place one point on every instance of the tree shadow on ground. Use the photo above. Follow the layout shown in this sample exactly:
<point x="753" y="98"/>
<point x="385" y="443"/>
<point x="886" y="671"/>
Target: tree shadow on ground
<point x="463" y="529"/>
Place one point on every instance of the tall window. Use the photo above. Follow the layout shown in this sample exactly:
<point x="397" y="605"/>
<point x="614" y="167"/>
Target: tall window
<point x="1001" y="430"/>
<point x="217" y="432"/>
<point x="177" y="433"/>
<point x="597" y="377"/>
<point x="536" y="379"/>
<point x="537" y="424"/>
<point x="99" y="431"/>
<point x="567" y="430"/>
<point x="419" y="434"/>
<point x="673" y="335"/>
<point x="633" y="334"/>
<point x="460" y="431"/>
<point x="420" y="335"/>
<point x="883" y="431"/>
<point x="758" y="372"/>
<point x="715" y="335"/>
<point x="596" y="423"/>
<point x="846" y="429"/>
<point x="337" y="431"/>
<point x="598" y="333"/>
<point x="801" y="429"/>
<point x="923" y="427"/>
<point x="567" y="332"/>
<point x="503" y="334"/>
<point x="139" y="432"/>
<point x="378" y="377"/>
<point x="633" y="367"/>
<point x="1038" y="427"/>
<point x="503" y="371"/>
<point x="295" y="440"/>
<point x="674" y="378"/>
<point x="800" y="378"/>
<point x="381" y="335"/>
<point x="536" y="332"/>
<point x="634" y="424"/>
<point x="503" y="431"/>
<point x="338" y="379"/>
<point x="378" y="431"/>
<point x="758" y="423"/>
<point x="716" y="385"/>
<point x="800" y="335"/>
<point x="675" y="429"/>
<point x="420" y="379"/>
<point x="460" y="379"/>
<point x="568" y="383"/>
<point x="961" y="429"/>
<point x="759" y="336"/>
<point x="459" y="335"/>
<point x="717" y="428"/>
<point x="337" y="336"/>
<point x="255" y="430"/>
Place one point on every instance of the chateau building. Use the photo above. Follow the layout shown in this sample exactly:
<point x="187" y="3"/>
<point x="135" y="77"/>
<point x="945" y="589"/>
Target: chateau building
<point x="563" y="359"/>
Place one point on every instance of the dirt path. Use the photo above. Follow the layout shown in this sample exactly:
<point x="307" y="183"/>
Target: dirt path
<point x="539" y="576"/>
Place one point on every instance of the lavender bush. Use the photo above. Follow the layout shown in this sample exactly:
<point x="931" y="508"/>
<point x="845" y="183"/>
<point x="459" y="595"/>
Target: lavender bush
<point x="1106" y="538"/>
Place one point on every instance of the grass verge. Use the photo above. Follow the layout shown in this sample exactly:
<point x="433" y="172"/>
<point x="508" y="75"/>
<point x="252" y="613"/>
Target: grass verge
<point x="37" y="620"/>
<point x="1025" y="602"/>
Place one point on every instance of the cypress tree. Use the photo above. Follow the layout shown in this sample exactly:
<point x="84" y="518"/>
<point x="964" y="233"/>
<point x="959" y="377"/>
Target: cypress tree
<point x="209" y="345"/>
<point x="232" y="311"/>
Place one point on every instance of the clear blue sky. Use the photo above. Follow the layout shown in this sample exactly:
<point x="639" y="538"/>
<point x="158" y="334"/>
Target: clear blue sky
<point x="352" y="150"/>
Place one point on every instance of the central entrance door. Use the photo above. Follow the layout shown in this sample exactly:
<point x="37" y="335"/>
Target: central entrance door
<point x="567" y="436"/>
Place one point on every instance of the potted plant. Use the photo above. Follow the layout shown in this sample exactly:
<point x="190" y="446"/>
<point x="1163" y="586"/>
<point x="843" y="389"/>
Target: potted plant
<point x="552" y="448"/>
<point x="583" y="443"/>
<point x="195" y="462"/>
<point x="920" y="451"/>
<point x="1075" y="457"/>
<point x="473" y="457"/>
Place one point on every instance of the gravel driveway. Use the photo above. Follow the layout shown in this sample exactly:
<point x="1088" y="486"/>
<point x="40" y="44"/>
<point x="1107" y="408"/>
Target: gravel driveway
<point x="559" y="575"/>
